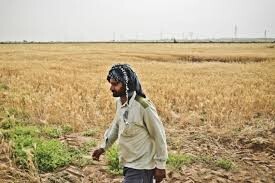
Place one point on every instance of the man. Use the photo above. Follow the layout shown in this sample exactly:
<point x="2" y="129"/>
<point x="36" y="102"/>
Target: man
<point x="137" y="126"/>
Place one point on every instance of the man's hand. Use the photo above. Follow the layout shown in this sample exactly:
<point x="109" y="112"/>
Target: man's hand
<point x="159" y="174"/>
<point x="97" y="153"/>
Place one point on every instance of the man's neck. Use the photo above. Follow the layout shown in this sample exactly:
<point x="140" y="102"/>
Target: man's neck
<point x="123" y="99"/>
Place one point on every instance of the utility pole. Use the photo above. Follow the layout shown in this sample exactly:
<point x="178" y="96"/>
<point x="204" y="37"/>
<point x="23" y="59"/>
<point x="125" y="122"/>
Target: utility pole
<point x="191" y="35"/>
<point x="235" y="32"/>
<point x="114" y="36"/>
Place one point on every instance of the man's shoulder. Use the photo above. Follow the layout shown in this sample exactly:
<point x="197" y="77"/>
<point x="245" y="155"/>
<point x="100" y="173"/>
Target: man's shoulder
<point x="144" y="102"/>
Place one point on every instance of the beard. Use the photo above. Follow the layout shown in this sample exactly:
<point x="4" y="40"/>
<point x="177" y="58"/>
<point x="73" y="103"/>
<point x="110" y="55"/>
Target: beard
<point x="118" y="94"/>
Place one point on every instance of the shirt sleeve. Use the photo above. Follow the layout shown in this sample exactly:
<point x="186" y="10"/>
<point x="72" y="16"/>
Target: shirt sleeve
<point x="110" y="135"/>
<point x="156" y="131"/>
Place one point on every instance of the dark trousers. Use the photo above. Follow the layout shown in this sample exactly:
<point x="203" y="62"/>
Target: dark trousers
<point x="137" y="176"/>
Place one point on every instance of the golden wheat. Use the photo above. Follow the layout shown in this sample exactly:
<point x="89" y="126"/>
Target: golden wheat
<point x="221" y="85"/>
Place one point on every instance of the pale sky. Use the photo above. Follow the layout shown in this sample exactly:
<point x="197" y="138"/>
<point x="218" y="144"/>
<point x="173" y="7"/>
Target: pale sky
<point x="102" y="20"/>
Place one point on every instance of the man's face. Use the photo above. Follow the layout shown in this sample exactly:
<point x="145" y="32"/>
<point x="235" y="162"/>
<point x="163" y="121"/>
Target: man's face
<point x="117" y="88"/>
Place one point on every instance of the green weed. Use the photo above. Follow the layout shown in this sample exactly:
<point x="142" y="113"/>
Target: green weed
<point x="33" y="146"/>
<point x="53" y="132"/>
<point x="176" y="161"/>
<point x="224" y="163"/>
<point x="21" y="146"/>
<point x="214" y="162"/>
<point x="23" y="140"/>
<point x="51" y="154"/>
<point x="67" y="129"/>
<point x="113" y="160"/>
<point x="89" y="133"/>
<point x="56" y="131"/>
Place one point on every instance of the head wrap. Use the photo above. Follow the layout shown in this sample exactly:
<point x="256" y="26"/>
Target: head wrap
<point x="123" y="73"/>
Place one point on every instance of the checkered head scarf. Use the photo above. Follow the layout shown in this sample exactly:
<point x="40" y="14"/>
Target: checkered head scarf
<point x="123" y="73"/>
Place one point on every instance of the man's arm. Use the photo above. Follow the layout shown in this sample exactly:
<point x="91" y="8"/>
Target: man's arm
<point x="156" y="131"/>
<point x="110" y="137"/>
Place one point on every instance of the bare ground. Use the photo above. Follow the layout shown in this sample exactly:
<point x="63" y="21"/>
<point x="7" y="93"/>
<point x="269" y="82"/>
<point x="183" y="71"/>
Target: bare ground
<point x="252" y="153"/>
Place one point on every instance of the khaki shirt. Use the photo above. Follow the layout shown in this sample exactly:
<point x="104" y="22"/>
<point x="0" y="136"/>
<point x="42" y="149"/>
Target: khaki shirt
<point x="141" y="136"/>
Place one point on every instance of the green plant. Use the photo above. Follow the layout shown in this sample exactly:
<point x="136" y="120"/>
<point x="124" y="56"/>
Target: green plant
<point x="23" y="140"/>
<point x="113" y="160"/>
<point x="29" y="147"/>
<point x="224" y="163"/>
<point x="53" y="132"/>
<point x="21" y="146"/>
<point x="51" y="154"/>
<point x="32" y="131"/>
<point x="56" y="131"/>
<point x="176" y="161"/>
<point x="214" y="162"/>
<point x="89" y="133"/>
<point x="67" y="129"/>
<point x="20" y="132"/>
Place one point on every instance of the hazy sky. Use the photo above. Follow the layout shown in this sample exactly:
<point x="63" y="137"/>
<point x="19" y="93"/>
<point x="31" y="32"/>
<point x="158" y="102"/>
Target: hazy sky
<point x="90" y="20"/>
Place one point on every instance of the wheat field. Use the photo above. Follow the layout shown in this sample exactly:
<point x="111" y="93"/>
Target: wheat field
<point x="222" y="85"/>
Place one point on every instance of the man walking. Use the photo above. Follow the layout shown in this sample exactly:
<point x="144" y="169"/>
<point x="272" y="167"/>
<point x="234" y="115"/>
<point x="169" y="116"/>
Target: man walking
<point x="138" y="129"/>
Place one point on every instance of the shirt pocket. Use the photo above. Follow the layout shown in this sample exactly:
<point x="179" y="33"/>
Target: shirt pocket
<point x="132" y="129"/>
<point x="134" y="126"/>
